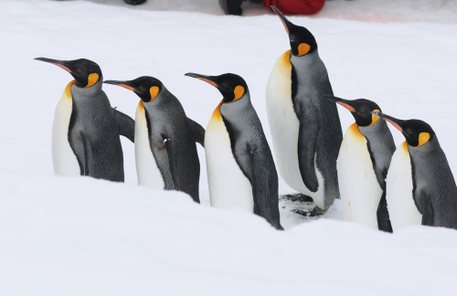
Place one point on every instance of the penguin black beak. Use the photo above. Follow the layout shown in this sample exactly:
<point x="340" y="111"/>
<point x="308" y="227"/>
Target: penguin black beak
<point x="345" y="103"/>
<point x="208" y="79"/>
<point x="397" y="123"/>
<point x="61" y="64"/>
<point x="284" y="20"/>
<point x="124" y="84"/>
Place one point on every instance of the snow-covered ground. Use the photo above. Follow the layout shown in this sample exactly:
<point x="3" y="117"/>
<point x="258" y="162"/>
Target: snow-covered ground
<point x="80" y="236"/>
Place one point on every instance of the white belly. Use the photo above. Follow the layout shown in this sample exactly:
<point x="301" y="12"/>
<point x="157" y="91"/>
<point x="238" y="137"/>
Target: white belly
<point x="63" y="158"/>
<point x="284" y="126"/>
<point x="228" y="186"/>
<point x="400" y="202"/>
<point x="147" y="170"/>
<point x="359" y="189"/>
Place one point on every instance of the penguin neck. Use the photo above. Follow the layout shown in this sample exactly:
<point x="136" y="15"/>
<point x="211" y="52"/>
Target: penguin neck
<point x="92" y="98"/>
<point x="163" y="99"/>
<point x="431" y="146"/>
<point x="374" y="130"/>
<point x="381" y="147"/>
<point x="89" y="91"/>
<point x="308" y="71"/>
<point x="306" y="60"/>
<point x="235" y="108"/>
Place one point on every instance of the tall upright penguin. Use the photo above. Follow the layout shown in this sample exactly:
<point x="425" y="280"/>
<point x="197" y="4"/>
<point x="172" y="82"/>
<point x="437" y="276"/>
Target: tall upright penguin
<point x="362" y="165"/>
<point x="165" y="151"/>
<point x="86" y="129"/>
<point x="305" y="127"/>
<point x="241" y="171"/>
<point x="420" y="186"/>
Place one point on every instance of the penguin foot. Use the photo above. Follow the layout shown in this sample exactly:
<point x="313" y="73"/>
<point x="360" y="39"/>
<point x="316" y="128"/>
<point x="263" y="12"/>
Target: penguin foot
<point x="297" y="197"/>
<point x="297" y="203"/>
<point x="300" y="204"/>
<point x="318" y="211"/>
<point x="313" y="213"/>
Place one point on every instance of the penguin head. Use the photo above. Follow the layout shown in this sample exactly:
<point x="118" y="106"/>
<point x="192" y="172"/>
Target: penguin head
<point x="361" y="109"/>
<point x="416" y="132"/>
<point x="231" y="86"/>
<point x="85" y="72"/>
<point x="146" y="87"/>
<point x="302" y="41"/>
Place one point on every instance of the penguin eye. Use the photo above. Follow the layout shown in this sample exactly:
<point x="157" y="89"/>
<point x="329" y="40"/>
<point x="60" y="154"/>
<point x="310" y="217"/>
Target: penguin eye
<point x="292" y="39"/>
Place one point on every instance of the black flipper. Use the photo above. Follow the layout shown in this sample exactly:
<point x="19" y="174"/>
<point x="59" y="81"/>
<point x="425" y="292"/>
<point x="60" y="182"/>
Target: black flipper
<point x="428" y="216"/>
<point x="307" y="138"/>
<point x="160" y="148"/>
<point x="383" y="215"/>
<point x="125" y="124"/>
<point x="85" y="161"/>
<point x="198" y="131"/>
<point x="262" y="190"/>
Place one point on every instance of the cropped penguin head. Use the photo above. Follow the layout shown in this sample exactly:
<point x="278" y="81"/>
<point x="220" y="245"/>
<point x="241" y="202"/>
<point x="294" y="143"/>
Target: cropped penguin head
<point x="416" y="132"/>
<point x="361" y="109"/>
<point x="85" y="72"/>
<point x="146" y="87"/>
<point x="302" y="41"/>
<point x="231" y="86"/>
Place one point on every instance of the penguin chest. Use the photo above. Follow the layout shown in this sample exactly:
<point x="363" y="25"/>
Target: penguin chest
<point x="359" y="188"/>
<point x="284" y="128"/>
<point x="148" y="172"/>
<point x="283" y="122"/>
<point x="228" y="186"/>
<point x="64" y="159"/>
<point x="399" y="182"/>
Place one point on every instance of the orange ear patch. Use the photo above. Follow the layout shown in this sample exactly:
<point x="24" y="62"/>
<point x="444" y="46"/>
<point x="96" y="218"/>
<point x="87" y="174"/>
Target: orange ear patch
<point x="154" y="91"/>
<point x="423" y="138"/>
<point x="92" y="79"/>
<point x="239" y="92"/>
<point x="303" y="49"/>
<point x="374" y="117"/>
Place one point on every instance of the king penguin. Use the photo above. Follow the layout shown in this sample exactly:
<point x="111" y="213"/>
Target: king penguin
<point x="362" y="165"/>
<point x="241" y="171"/>
<point x="305" y="127"/>
<point x="420" y="186"/>
<point x="86" y="129"/>
<point x="165" y="150"/>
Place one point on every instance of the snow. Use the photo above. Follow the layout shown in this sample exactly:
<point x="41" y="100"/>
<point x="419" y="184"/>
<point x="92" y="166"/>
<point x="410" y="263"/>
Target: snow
<point x="81" y="236"/>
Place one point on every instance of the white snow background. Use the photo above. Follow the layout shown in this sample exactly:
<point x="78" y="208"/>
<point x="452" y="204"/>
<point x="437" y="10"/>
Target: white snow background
<point x="81" y="236"/>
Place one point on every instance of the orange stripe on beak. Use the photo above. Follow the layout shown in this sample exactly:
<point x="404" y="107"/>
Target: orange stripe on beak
<point x="126" y="86"/>
<point x="394" y="124"/>
<point x="285" y="26"/>
<point x="350" y="108"/>
<point x="62" y="67"/>
<point x="209" y="81"/>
